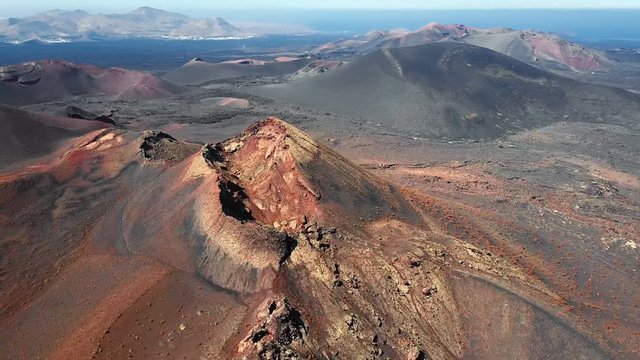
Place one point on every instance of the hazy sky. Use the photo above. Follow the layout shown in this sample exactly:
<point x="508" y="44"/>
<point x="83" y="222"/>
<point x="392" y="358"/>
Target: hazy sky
<point x="16" y="7"/>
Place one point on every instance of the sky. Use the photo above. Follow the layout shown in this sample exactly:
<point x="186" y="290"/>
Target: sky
<point x="19" y="8"/>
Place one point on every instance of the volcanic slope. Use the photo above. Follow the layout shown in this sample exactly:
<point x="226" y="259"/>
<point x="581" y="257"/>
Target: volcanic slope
<point x="197" y="71"/>
<point x="547" y="51"/>
<point x="267" y="245"/>
<point x="28" y="136"/>
<point x="44" y="81"/>
<point x="454" y="91"/>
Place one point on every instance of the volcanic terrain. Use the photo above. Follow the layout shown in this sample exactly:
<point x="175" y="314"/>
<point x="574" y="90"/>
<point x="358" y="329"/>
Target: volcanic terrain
<point x="266" y="245"/>
<point x="455" y="91"/>
<point x="199" y="72"/>
<point x="548" y="51"/>
<point x="440" y="201"/>
<point x="45" y="81"/>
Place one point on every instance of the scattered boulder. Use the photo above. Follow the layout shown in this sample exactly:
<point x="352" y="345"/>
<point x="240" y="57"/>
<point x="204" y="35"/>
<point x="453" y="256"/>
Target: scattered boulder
<point x="275" y="337"/>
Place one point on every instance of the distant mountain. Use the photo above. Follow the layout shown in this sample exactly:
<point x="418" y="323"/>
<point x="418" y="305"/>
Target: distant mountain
<point x="145" y="22"/>
<point x="545" y="50"/>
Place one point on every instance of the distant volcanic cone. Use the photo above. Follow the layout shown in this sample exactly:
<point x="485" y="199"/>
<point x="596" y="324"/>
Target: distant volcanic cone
<point x="50" y="80"/>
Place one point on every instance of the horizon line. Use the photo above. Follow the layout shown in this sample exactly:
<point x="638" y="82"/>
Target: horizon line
<point x="230" y="10"/>
<point x="359" y="8"/>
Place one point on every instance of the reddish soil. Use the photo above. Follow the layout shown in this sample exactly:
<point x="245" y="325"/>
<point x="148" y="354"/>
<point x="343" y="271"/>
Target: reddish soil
<point x="271" y="245"/>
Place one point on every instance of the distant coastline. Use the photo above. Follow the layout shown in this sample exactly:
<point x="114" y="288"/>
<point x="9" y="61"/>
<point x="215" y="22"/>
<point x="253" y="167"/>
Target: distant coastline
<point x="168" y="38"/>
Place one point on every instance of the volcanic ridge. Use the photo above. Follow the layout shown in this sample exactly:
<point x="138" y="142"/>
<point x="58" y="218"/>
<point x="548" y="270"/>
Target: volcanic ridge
<point x="50" y="80"/>
<point x="547" y="51"/>
<point x="455" y="91"/>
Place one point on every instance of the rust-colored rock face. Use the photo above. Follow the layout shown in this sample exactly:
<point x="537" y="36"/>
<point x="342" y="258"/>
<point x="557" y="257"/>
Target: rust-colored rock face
<point x="551" y="47"/>
<point x="291" y="180"/>
<point x="268" y="245"/>
<point x="267" y="163"/>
